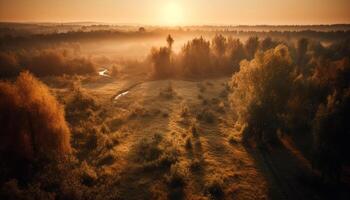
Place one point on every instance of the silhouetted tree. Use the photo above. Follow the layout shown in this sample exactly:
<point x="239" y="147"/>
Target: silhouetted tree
<point x="251" y="46"/>
<point x="170" y="41"/>
<point x="219" y="44"/>
<point x="142" y="30"/>
<point x="302" y="57"/>
<point x="235" y="53"/>
<point x="196" y="59"/>
<point x="161" y="62"/>
<point x="268" y="43"/>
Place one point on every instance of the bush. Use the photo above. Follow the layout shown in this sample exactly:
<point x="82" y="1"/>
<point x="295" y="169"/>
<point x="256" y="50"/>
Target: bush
<point x="215" y="187"/>
<point x="177" y="175"/>
<point x="156" y="153"/>
<point x="194" y="130"/>
<point x="32" y="121"/>
<point x="206" y="115"/>
<point x="185" y="111"/>
<point x="195" y="165"/>
<point x="80" y="105"/>
<point x="188" y="144"/>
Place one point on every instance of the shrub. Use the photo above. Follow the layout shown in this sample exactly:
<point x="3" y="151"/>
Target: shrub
<point x="215" y="187"/>
<point x="156" y="153"/>
<point x="185" y="112"/>
<point x="188" y="144"/>
<point x="107" y="159"/>
<point x="206" y="115"/>
<point x="80" y="105"/>
<point x="233" y="139"/>
<point x="195" y="165"/>
<point x="194" y="130"/>
<point x="177" y="175"/>
<point x="221" y="107"/>
<point x="32" y="121"/>
<point x="88" y="175"/>
<point x="151" y="151"/>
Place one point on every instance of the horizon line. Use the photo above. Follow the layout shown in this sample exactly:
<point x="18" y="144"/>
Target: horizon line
<point x="160" y="25"/>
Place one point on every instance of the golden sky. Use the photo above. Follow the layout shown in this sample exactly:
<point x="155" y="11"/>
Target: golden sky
<point x="178" y="12"/>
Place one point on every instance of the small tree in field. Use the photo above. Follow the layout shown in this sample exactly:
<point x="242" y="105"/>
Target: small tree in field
<point x="32" y="121"/>
<point x="170" y="42"/>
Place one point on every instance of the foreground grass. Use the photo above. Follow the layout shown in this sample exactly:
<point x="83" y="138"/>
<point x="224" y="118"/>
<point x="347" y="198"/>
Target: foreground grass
<point x="164" y="140"/>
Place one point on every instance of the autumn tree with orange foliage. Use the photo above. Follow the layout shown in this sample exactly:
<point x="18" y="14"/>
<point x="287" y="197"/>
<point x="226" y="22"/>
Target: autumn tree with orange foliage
<point x="32" y="121"/>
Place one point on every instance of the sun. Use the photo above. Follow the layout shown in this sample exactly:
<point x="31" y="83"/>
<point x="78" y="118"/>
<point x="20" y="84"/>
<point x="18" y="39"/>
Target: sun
<point x="172" y="14"/>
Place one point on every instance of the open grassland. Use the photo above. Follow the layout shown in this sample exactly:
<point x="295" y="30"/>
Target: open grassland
<point x="166" y="139"/>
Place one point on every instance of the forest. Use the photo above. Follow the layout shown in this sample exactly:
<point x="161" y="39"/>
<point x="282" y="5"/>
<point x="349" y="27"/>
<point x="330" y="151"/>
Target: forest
<point x="94" y="112"/>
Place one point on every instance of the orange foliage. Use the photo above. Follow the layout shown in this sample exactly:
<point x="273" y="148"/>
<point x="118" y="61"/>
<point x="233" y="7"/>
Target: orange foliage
<point x="32" y="121"/>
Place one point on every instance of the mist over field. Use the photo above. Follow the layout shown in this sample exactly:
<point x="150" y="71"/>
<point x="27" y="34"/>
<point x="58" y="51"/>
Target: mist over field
<point x="175" y="103"/>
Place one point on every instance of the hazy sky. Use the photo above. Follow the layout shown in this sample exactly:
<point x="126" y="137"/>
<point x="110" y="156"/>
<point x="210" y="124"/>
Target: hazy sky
<point x="178" y="12"/>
